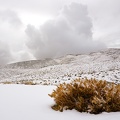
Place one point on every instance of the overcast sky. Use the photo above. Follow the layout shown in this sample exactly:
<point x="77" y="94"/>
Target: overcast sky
<point x="38" y="29"/>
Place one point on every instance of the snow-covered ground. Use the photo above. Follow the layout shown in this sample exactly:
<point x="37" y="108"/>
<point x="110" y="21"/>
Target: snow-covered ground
<point x="103" y="65"/>
<point x="21" y="102"/>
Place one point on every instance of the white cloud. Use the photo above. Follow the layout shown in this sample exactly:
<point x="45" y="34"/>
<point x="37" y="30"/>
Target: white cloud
<point x="69" y="33"/>
<point x="5" y="54"/>
<point x="10" y="17"/>
<point x="71" y="30"/>
<point x="12" y="36"/>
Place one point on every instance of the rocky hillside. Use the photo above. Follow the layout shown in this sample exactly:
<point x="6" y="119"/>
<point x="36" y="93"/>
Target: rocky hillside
<point x="103" y="65"/>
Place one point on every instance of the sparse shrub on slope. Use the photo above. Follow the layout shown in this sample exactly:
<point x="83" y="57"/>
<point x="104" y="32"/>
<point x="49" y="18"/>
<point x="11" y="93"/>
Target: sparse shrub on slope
<point x="91" y="96"/>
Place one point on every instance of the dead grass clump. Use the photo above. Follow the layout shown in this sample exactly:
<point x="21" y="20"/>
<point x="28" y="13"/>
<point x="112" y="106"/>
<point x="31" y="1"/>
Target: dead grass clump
<point x="91" y="96"/>
<point x="28" y="83"/>
<point x="7" y="82"/>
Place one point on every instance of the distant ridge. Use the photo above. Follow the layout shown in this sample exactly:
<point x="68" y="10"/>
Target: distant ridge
<point x="32" y="64"/>
<point x="103" y="65"/>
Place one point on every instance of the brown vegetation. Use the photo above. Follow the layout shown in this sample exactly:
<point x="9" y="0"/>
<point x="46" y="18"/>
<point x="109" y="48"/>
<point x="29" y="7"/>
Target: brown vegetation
<point x="28" y="82"/>
<point x="6" y="82"/>
<point x="93" y="96"/>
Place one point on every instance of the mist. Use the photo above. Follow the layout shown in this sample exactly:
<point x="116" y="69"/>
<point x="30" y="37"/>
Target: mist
<point x="5" y="54"/>
<point x="69" y="33"/>
<point x="12" y="37"/>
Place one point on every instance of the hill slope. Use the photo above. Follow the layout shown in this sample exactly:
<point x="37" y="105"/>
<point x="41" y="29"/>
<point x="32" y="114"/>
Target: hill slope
<point x="100" y="65"/>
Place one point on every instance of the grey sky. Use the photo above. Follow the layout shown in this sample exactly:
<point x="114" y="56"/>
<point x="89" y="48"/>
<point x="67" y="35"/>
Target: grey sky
<point x="28" y="25"/>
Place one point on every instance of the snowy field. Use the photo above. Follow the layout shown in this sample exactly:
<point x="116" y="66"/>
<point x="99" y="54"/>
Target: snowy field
<point x="21" y="102"/>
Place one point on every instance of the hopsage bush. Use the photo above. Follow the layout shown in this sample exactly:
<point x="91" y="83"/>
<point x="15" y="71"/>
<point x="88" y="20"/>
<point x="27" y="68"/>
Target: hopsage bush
<point x="93" y="96"/>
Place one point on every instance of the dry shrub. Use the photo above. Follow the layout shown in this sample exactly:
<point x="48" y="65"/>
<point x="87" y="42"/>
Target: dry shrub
<point x="28" y="82"/>
<point x="7" y="82"/>
<point x="93" y="96"/>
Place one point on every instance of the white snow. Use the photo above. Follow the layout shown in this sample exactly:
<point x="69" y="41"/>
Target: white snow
<point x="21" y="102"/>
<point x="103" y="65"/>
